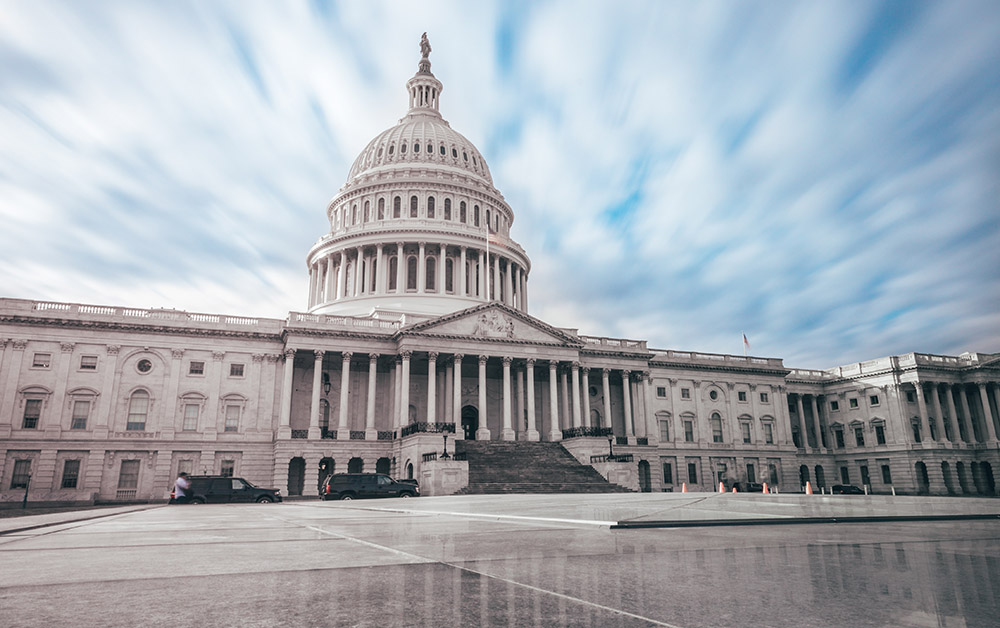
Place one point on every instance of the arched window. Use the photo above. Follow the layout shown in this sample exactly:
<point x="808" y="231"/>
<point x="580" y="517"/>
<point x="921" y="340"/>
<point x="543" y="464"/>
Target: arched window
<point x="416" y="147"/>
<point x="449" y="275"/>
<point x="354" y="214"/>
<point x="442" y="150"/>
<point x="349" y="279"/>
<point x="716" y="428"/>
<point x="430" y="150"/>
<point x="430" y="264"/>
<point x="454" y="153"/>
<point x="430" y="207"/>
<point x="393" y="269"/>
<point x="461" y="212"/>
<point x="367" y="215"/>
<point x="465" y="155"/>
<point x="381" y="209"/>
<point x="138" y="408"/>
<point x="413" y="207"/>
<point x="396" y="202"/>
<point x="475" y="215"/>
<point x="447" y="209"/>
<point x="402" y="148"/>
<point x="411" y="273"/>
<point x="373" y="276"/>
<point x="392" y="147"/>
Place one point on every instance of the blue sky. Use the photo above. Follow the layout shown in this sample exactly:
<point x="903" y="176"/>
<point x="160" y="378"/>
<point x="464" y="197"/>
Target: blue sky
<point x="823" y="175"/>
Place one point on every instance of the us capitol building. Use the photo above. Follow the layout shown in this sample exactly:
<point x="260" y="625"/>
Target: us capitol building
<point x="416" y="329"/>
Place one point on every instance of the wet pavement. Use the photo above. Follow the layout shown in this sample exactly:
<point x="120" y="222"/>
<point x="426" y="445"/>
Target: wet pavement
<point x="507" y="561"/>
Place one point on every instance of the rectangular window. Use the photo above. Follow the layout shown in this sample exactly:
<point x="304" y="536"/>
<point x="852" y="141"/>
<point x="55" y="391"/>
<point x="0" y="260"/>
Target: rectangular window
<point x="661" y="392"/>
<point x="768" y="433"/>
<point x="763" y="397"/>
<point x="88" y="362"/>
<point x="232" y="418"/>
<point x="196" y="368"/>
<point x="911" y="396"/>
<point x="138" y="407"/>
<point x="41" y="361"/>
<point x="32" y="412"/>
<point x="751" y="473"/>
<point x="685" y="393"/>
<point x="668" y="473"/>
<point x="227" y="468"/>
<point x="22" y="473"/>
<point x="664" y="431"/>
<point x="185" y="465"/>
<point x="835" y="406"/>
<point x="236" y="370"/>
<point x="873" y="400"/>
<point x="692" y="473"/>
<point x="916" y="432"/>
<point x="853" y="402"/>
<point x="879" y="434"/>
<point x="71" y="473"/>
<point x="866" y="480"/>
<point x="845" y="476"/>
<point x="128" y="478"/>
<point x="839" y="435"/>
<point x="745" y="427"/>
<point x="741" y="395"/>
<point x="716" y="421"/>
<point x="886" y="474"/>
<point x="688" y="431"/>
<point x="859" y="436"/>
<point x="190" y="417"/>
<point x="723" y="473"/>
<point x="81" y="412"/>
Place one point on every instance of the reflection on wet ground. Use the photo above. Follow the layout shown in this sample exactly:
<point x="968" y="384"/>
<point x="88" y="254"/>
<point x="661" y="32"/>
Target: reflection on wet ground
<point x="321" y="565"/>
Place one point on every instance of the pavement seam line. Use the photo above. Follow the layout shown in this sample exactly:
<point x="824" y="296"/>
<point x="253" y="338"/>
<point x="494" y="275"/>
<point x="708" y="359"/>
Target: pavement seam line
<point x="478" y="573"/>
<point x="497" y="517"/>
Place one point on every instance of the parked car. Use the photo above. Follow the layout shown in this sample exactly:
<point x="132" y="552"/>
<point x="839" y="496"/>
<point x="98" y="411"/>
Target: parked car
<point x="749" y="487"/>
<point x="367" y="485"/>
<point x="219" y="489"/>
<point x="846" y="489"/>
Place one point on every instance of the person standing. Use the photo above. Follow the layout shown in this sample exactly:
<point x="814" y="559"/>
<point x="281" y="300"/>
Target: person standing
<point x="182" y="488"/>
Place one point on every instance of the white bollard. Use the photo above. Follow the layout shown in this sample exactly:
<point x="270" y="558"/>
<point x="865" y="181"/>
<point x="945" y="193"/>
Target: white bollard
<point x="866" y="489"/>
<point x="893" y="489"/>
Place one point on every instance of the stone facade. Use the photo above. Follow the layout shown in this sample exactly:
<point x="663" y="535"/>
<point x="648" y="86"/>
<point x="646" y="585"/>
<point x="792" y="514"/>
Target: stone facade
<point x="417" y="329"/>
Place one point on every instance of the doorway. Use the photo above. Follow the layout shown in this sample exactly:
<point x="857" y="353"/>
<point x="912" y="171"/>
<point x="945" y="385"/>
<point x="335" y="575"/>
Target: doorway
<point x="470" y="422"/>
<point x="296" y="475"/>
<point x="645" y="486"/>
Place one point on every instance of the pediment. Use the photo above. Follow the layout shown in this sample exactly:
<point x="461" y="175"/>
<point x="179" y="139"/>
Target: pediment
<point x="492" y="321"/>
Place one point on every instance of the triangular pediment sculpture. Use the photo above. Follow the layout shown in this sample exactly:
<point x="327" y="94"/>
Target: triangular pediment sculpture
<point x="492" y="321"/>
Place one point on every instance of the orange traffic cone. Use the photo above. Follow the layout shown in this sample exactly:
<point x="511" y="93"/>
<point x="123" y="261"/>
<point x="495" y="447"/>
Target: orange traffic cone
<point x="734" y="489"/>
<point x="722" y="487"/>
<point x="809" y="488"/>
<point x="684" y="487"/>
<point x="764" y="490"/>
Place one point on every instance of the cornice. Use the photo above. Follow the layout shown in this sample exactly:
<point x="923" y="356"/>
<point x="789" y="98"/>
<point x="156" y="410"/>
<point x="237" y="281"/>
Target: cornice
<point x="148" y="328"/>
<point x="713" y="367"/>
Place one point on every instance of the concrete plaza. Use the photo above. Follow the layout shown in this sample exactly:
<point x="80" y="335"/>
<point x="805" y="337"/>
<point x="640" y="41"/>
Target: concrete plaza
<point x="522" y="560"/>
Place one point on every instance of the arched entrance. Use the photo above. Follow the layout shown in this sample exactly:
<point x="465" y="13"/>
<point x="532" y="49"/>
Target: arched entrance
<point x="296" y="475"/>
<point x="383" y="465"/>
<point x="409" y="470"/>
<point x="989" y="483"/>
<point x="946" y="475"/>
<point x="820" y="477"/>
<point x="963" y="477"/>
<point x="923" y="482"/>
<point x="356" y="465"/>
<point x="803" y="475"/>
<point x="326" y="469"/>
<point x="645" y="486"/>
<point x="470" y="422"/>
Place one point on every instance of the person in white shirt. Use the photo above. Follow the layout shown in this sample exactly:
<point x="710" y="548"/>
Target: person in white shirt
<point x="182" y="488"/>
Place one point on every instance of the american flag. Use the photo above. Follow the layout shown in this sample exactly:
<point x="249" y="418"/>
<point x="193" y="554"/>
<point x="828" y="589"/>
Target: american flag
<point x="746" y="343"/>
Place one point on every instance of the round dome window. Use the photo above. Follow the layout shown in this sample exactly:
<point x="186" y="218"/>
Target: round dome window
<point x="713" y="395"/>
<point x="454" y="153"/>
<point x="144" y="366"/>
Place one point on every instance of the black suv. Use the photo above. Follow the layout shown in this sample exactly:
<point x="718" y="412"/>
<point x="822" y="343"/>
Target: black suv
<point x="847" y="489"/>
<point x="362" y="485"/>
<point x="218" y="489"/>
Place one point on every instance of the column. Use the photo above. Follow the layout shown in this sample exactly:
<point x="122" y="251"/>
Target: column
<point x="519" y="410"/>
<point x="284" y="430"/>
<point x="456" y="400"/>
<point x="576" y="393"/>
<point x="627" y="397"/>
<point x="991" y="431"/>
<point x="606" y="387"/>
<point x="331" y="280"/>
<point x="652" y="429"/>
<point x="463" y="281"/>
<point x="380" y="275"/>
<point x="173" y="385"/>
<point x="784" y="417"/>
<point x="925" y="428"/>
<point x="802" y="420"/>
<point x="312" y="286"/>
<point x="328" y="272"/>
<point x="815" y="420"/>
<point x="495" y="291"/>
<point x="956" y="426"/>
<point x="483" y="433"/>
<point x="524" y="291"/>
<point x="639" y="413"/>
<point x="397" y="392"/>
<point x="554" y="432"/>
<point x="442" y="256"/>
<point x="422" y="268"/>
<point x="508" y="430"/>
<point x="358" y="278"/>
<point x="448" y="394"/>
<point x="585" y="371"/>
<point x="938" y="415"/>
<point x="963" y="398"/>
<point x="317" y="384"/>
<point x="432" y="387"/>
<point x="532" y="434"/>
<point x="566" y="421"/>
<point x="400" y="269"/>
<point x="341" y="289"/>
<point x="404" y="390"/>
<point x="508" y="284"/>
<point x="343" y="432"/>
<point x="481" y="274"/>
<point x="370" y="432"/>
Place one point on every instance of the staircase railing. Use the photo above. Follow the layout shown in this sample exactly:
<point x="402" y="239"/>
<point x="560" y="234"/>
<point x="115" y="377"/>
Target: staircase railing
<point x="577" y="432"/>
<point x="611" y="458"/>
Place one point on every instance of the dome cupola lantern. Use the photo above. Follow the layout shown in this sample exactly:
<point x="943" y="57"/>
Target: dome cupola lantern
<point x="418" y="230"/>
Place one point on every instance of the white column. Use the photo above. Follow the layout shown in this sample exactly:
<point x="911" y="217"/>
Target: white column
<point x="432" y="386"/>
<point x="652" y="429"/>
<point x="817" y="428"/>
<point x="957" y="429"/>
<point x="343" y="432"/>
<point x="404" y="390"/>
<point x="495" y="292"/>
<point x="442" y="255"/>
<point x="508" y="430"/>
<point x="284" y="430"/>
<point x="341" y="289"/>
<point x="483" y="433"/>
<point x="370" y="432"/>
<point x="464" y="280"/>
<point x="519" y="410"/>
<point x="312" y="285"/>
<point x="532" y="434"/>
<point x="524" y="291"/>
<point x="938" y="415"/>
<point x="606" y="385"/>
<point x="555" y="433"/>
<point x="317" y="384"/>
<point x="400" y="269"/>
<point x="397" y="391"/>
<point x="456" y="400"/>
<point x="379" y="270"/>
<point x="331" y="280"/>
<point x="358" y="275"/>
<point x="576" y="394"/>
<point x="508" y="284"/>
<point x="481" y="274"/>
<point x="991" y="430"/>
<point x="585" y="371"/>
<point x="422" y="269"/>
<point x="627" y="409"/>
<point x="925" y="427"/>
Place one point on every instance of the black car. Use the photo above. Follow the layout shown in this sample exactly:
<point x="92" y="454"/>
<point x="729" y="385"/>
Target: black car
<point x="749" y="487"/>
<point x="367" y="485"/>
<point x="218" y="489"/>
<point x="846" y="489"/>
